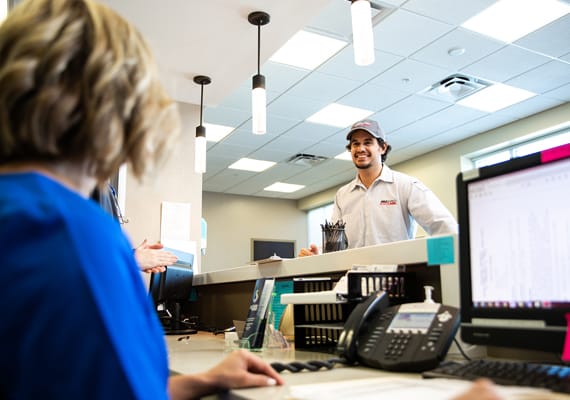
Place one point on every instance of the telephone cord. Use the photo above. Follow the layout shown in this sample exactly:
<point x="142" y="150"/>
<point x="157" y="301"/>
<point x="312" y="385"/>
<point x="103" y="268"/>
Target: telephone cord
<point x="314" y="365"/>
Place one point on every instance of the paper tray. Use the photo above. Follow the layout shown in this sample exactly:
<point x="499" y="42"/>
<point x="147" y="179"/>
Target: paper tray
<point x="324" y="297"/>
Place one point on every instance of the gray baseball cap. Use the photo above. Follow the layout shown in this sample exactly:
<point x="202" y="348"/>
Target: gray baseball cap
<point x="369" y="126"/>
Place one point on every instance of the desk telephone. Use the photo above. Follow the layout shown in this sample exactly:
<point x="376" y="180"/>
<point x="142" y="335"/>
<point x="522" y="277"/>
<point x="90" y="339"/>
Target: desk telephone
<point x="411" y="337"/>
<point x="407" y="337"/>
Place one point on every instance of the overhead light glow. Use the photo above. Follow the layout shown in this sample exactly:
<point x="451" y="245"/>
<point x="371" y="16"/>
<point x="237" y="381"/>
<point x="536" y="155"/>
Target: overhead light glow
<point x="307" y="50"/>
<point x="200" y="150"/>
<point x="3" y="10"/>
<point x="250" y="164"/>
<point x="217" y="132"/>
<point x="495" y="97"/>
<point x="345" y="156"/>
<point x="283" y="187"/>
<point x="509" y="20"/>
<point x="339" y="115"/>
<point x="362" y="34"/>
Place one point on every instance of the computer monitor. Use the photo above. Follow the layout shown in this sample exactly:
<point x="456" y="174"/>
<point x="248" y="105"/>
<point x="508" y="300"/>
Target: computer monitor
<point x="169" y="291"/>
<point x="514" y="252"/>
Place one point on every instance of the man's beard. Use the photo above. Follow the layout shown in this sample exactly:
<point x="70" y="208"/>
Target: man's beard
<point x="365" y="166"/>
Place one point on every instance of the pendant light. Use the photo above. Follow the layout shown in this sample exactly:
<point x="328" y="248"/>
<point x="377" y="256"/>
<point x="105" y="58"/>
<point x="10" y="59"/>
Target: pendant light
<point x="258" y="94"/>
<point x="362" y="35"/>
<point x="200" y="143"/>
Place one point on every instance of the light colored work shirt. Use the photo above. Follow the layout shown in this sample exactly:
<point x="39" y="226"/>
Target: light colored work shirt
<point x="389" y="210"/>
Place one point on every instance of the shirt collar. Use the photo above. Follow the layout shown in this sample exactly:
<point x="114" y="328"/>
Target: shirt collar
<point x="387" y="175"/>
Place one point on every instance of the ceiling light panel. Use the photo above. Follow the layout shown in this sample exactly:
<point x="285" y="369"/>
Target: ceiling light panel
<point x="496" y="97"/>
<point x="215" y="132"/>
<point x="509" y="20"/>
<point x="307" y="50"/>
<point x="249" y="164"/>
<point x="283" y="187"/>
<point x="345" y="156"/>
<point x="339" y="115"/>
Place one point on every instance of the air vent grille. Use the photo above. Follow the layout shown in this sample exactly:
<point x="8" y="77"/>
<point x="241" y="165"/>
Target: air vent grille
<point x="455" y="87"/>
<point x="306" y="160"/>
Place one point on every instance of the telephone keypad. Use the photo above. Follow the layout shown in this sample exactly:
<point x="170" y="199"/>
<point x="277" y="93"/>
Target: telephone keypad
<point x="397" y="345"/>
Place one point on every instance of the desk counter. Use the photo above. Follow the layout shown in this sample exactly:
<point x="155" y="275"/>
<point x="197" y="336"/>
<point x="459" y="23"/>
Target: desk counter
<point x="197" y="353"/>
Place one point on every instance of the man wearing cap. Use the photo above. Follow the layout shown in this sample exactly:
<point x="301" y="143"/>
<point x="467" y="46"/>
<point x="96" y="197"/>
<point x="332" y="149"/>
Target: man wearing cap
<point x="381" y="205"/>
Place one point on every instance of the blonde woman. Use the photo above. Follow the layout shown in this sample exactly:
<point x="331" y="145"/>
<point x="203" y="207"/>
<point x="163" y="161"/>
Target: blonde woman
<point x="79" y="96"/>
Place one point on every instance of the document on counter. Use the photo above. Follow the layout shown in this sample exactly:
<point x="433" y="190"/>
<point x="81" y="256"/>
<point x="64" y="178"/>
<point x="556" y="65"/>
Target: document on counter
<point x="403" y="389"/>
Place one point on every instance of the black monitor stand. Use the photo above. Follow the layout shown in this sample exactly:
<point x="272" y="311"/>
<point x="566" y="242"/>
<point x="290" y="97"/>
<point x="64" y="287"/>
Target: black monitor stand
<point x="172" y="320"/>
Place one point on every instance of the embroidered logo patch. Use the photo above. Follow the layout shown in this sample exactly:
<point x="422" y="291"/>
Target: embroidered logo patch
<point x="388" y="203"/>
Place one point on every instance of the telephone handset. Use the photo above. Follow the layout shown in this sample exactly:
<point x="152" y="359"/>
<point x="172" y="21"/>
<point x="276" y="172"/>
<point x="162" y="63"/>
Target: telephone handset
<point x="409" y="337"/>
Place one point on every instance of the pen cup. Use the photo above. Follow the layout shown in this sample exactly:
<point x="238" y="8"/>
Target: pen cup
<point x="334" y="239"/>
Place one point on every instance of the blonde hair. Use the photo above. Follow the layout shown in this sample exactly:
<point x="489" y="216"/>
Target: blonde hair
<point x="78" y="84"/>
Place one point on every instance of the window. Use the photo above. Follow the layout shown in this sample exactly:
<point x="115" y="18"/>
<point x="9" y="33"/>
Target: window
<point x="315" y="218"/>
<point x="551" y="139"/>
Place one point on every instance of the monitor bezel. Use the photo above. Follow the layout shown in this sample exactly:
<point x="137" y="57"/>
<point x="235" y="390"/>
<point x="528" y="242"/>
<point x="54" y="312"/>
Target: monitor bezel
<point x="549" y="338"/>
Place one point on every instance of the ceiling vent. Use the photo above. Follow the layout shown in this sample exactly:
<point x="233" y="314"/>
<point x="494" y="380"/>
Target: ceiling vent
<point x="306" y="160"/>
<point x="455" y="87"/>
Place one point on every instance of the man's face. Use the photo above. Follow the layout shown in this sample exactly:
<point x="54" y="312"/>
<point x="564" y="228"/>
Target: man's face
<point x="365" y="150"/>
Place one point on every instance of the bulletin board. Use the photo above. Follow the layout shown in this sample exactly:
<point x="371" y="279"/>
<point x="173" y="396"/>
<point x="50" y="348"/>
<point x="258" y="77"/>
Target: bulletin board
<point x="265" y="248"/>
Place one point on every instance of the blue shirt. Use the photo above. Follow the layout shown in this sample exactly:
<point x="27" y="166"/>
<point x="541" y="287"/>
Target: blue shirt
<point x="76" y="321"/>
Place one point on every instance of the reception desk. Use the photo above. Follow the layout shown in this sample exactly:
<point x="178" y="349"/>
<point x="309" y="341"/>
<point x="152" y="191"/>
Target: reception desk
<point x="200" y="352"/>
<point x="223" y="296"/>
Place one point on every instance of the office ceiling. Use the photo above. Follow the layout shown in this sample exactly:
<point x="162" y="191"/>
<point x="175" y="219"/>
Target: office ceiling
<point x="412" y="41"/>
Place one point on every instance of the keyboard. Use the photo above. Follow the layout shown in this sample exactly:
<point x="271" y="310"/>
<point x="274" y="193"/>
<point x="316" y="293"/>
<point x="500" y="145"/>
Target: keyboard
<point x="510" y="373"/>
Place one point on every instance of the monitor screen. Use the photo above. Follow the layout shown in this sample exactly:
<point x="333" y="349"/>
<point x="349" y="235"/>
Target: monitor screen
<point x="514" y="241"/>
<point x="170" y="290"/>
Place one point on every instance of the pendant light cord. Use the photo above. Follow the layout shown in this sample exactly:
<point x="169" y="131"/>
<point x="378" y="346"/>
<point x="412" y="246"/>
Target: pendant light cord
<point x="201" y="101"/>
<point x="258" y="49"/>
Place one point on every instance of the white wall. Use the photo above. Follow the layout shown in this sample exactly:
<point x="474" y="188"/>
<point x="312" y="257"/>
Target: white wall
<point x="234" y="220"/>
<point x="439" y="168"/>
<point x="174" y="181"/>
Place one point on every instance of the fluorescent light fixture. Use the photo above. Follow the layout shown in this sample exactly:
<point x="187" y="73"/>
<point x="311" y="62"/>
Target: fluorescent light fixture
<point x="250" y="164"/>
<point x="200" y="142"/>
<point x="362" y="35"/>
<point x="258" y="95"/>
<point x="283" y="187"/>
<point x="339" y="115"/>
<point x="509" y="20"/>
<point x="307" y="50"/>
<point x="200" y="150"/>
<point x="258" y="105"/>
<point x="495" y="97"/>
<point x="3" y="10"/>
<point x="345" y="156"/>
<point x="217" y="132"/>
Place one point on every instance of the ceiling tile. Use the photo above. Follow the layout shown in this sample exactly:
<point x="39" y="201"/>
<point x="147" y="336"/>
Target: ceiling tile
<point x="411" y="76"/>
<point x="561" y="93"/>
<point x="404" y="33"/>
<point x="476" y="47"/>
<point x="434" y="124"/>
<point x="534" y="104"/>
<point x="372" y="97"/>
<point x="447" y="10"/>
<point x="343" y="65"/>
<point x="323" y="87"/>
<point x="225" y="116"/>
<point x="310" y="131"/>
<point x="407" y="111"/>
<point x="546" y="77"/>
<point x="295" y="107"/>
<point x="553" y="39"/>
<point x="505" y="64"/>
<point x="280" y="77"/>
